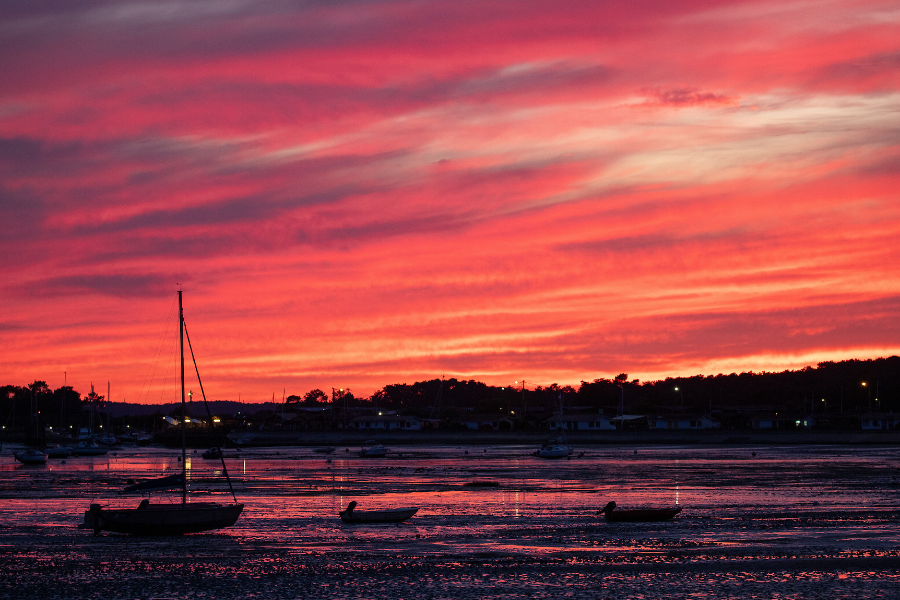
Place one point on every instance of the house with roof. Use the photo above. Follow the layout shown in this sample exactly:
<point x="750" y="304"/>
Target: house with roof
<point x="487" y="422"/>
<point x="683" y="422"/>
<point x="386" y="423"/>
<point x="580" y="422"/>
<point x="630" y="422"/>
<point x="770" y="420"/>
<point x="879" y="421"/>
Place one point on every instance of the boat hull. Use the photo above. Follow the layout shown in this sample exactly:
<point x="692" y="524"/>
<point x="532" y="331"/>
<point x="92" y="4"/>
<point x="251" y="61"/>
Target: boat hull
<point x="31" y="457"/>
<point x="378" y="516"/>
<point x="162" y="519"/>
<point x="373" y="452"/>
<point x="89" y="450"/>
<point x="553" y="452"/>
<point x="59" y="452"/>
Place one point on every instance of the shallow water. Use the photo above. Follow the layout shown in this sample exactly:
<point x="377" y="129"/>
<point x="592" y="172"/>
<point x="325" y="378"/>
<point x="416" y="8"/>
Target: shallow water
<point x="780" y="522"/>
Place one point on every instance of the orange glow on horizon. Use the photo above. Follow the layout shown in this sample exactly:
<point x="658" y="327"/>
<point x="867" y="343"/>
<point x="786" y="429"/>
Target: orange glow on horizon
<point x="555" y="193"/>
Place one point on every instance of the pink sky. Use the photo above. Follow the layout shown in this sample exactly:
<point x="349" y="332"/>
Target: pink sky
<point x="353" y="194"/>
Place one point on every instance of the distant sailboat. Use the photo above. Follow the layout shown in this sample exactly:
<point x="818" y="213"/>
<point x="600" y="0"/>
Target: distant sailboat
<point x="167" y="519"/>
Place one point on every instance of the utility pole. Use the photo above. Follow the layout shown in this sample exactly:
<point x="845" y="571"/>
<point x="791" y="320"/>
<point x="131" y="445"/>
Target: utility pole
<point x="524" y="403"/>
<point x="62" y="405"/>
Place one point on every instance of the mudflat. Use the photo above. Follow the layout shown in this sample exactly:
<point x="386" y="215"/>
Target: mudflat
<point x="786" y="522"/>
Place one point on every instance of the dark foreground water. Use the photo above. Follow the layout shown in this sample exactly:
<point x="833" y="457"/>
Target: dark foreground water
<point x="783" y="522"/>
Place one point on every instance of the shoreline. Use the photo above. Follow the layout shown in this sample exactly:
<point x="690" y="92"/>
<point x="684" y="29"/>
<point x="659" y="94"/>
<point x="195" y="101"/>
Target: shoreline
<point x="612" y="438"/>
<point x="528" y="438"/>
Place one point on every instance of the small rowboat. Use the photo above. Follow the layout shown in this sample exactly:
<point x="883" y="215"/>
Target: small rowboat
<point x="394" y="515"/>
<point x="213" y="453"/>
<point x="640" y="515"/>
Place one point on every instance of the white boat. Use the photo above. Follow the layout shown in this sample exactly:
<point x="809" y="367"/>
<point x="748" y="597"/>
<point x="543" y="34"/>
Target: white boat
<point x="555" y="449"/>
<point x="108" y="439"/>
<point x="391" y="515"/>
<point x="241" y="438"/>
<point x="167" y="519"/>
<point x="31" y="456"/>
<point x="89" y="449"/>
<point x="373" y="451"/>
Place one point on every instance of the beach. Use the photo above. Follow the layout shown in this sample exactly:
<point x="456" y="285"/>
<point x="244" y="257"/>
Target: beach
<point x="493" y="521"/>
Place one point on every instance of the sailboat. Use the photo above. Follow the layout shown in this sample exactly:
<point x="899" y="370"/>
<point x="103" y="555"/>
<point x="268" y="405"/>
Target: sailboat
<point x="167" y="519"/>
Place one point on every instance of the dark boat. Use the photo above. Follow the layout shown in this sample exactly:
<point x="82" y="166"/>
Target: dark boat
<point x="213" y="453"/>
<point x="171" y="518"/>
<point x="162" y="519"/>
<point x="392" y="515"/>
<point x="31" y="456"/>
<point x="639" y="515"/>
<point x="59" y="452"/>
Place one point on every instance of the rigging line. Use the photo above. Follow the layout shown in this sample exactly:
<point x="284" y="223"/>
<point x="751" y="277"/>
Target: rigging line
<point x="169" y="363"/>
<point x="206" y="404"/>
<point x="161" y="346"/>
<point x="151" y="370"/>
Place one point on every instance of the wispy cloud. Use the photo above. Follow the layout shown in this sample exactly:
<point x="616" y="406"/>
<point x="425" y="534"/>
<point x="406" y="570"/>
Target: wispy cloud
<point x="375" y="192"/>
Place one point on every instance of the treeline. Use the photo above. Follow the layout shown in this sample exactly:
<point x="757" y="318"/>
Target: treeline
<point x="849" y="387"/>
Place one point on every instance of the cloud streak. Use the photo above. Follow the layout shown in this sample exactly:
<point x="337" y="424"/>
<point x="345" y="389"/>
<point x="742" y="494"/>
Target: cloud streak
<point x="358" y="194"/>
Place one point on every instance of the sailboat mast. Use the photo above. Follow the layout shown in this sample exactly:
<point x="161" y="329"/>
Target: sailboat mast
<point x="183" y="405"/>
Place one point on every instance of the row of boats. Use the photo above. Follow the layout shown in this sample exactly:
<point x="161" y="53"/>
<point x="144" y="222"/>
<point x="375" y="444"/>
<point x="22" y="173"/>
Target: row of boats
<point x="36" y="456"/>
<point x="398" y="515"/>
<point x="194" y="517"/>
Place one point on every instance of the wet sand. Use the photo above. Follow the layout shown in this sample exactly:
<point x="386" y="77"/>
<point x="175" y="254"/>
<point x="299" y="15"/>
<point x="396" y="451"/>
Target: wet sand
<point x="812" y="522"/>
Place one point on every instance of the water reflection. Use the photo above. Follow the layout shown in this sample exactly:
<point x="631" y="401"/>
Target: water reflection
<point x="525" y="519"/>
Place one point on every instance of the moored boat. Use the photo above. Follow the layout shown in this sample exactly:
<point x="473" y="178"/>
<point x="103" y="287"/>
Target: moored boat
<point x="213" y="453"/>
<point x="59" y="452"/>
<point x="174" y="518"/>
<point x="391" y="515"/>
<point x="108" y="440"/>
<point x="31" y="456"/>
<point x="553" y="451"/>
<point x="555" y="448"/>
<point x="639" y="515"/>
<point x="89" y="449"/>
<point x="373" y="450"/>
<point x="162" y="519"/>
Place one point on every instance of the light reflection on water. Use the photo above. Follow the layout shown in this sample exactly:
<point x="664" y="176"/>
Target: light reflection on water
<point x="801" y="516"/>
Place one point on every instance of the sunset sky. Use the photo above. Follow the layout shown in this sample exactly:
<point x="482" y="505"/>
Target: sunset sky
<point x="354" y="194"/>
